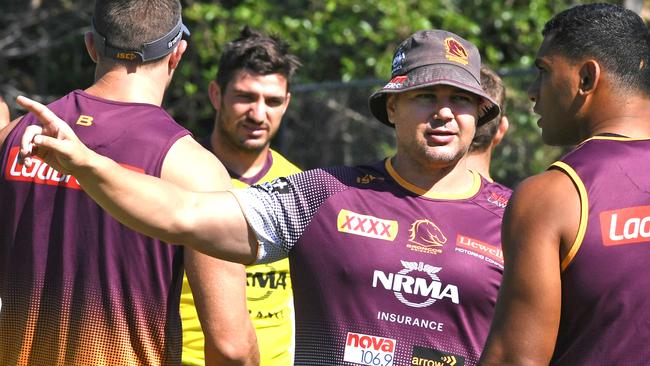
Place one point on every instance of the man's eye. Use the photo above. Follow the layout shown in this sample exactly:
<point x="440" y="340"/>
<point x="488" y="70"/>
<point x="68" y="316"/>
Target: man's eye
<point x="426" y="96"/>
<point x="462" y="98"/>
<point x="274" y="102"/>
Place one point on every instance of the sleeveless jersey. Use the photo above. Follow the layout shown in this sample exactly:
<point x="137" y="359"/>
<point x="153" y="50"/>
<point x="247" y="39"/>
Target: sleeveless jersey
<point x="383" y="274"/>
<point x="268" y="293"/>
<point x="77" y="287"/>
<point x="606" y="276"/>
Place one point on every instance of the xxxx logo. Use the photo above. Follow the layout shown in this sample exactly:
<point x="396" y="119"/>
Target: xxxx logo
<point x="364" y="225"/>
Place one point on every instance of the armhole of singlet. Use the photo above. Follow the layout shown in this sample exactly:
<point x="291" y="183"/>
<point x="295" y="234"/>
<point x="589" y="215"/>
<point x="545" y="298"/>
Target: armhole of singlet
<point x="584" y="212"/>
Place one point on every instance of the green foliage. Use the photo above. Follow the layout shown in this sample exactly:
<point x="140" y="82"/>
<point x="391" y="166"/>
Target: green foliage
<point x="349" y="40"/>
<point x="337" y="40"/>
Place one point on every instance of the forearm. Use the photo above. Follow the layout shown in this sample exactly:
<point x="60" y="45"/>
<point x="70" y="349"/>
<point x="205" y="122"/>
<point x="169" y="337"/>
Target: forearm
<point x="219" y="292"/>
<point x="144" y="203"/>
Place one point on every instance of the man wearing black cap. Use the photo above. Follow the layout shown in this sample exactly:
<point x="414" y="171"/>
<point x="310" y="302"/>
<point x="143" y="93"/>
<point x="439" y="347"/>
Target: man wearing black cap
<point x="393" y="263"/>
<point x="76" y="286"/>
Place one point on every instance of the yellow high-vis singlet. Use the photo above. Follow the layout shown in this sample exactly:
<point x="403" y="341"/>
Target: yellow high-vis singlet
<point x="268" y="294"/>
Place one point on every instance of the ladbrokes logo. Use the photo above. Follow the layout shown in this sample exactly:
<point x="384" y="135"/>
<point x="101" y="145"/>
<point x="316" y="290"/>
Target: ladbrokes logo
<point x="431" y="357"/>
<point x="416" y="291"/>
<point x="456" y="51"/>
<point x="625" y="226"/>
<point x="426" y="237"/>
<point x="369" y="226"/>
<point x="362" y="349"/>
<point x="39" y="172"/>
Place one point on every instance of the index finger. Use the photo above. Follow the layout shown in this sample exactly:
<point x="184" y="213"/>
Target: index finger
<point x="50" y="121"/>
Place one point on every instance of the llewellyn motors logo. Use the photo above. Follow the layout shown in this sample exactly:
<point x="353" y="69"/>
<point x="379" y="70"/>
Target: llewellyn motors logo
<point x="625" y="226"/>
<point x="368" y="226"/>
<point x="426" y="237"/>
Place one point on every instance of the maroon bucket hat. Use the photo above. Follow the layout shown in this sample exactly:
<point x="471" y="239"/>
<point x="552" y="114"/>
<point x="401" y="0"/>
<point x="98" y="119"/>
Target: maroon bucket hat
<point x="434" y="57"/>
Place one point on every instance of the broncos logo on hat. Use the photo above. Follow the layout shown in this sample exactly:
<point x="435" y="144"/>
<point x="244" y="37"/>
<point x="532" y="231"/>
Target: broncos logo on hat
<point x="456" y="51"/>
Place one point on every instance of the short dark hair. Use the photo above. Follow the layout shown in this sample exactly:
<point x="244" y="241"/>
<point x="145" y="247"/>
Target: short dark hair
<point x="128" y="24"/>
<point x="494" y="87"/>
<point x="258" y="52"/>
<point x="614" y="36"/>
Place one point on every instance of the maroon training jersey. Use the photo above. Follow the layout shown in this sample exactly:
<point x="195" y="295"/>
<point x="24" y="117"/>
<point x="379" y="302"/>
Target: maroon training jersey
<point x="605" y="317"/>
<point x="77" y="287"/>
<point x="382" y="274"/>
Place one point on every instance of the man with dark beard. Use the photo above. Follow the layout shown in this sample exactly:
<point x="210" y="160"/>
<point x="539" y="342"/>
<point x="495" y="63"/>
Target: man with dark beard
<point x="250" y="95"/>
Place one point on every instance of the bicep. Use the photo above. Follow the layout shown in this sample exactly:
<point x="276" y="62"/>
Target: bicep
<point x="527" y="313"/>
<point x="212" y="214"/>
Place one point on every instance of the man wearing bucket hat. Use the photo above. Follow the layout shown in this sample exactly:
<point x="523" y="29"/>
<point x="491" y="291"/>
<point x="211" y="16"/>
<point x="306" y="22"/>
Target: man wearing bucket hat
<point x="76" y="286"/>
<point x="397" y="262"/>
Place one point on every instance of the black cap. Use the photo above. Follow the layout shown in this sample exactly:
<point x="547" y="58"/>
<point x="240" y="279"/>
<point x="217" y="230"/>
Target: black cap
<point x="149" y="51"/>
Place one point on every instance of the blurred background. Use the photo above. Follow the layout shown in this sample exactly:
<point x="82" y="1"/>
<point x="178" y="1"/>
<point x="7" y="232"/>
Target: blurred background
<point x="345" y="46"/>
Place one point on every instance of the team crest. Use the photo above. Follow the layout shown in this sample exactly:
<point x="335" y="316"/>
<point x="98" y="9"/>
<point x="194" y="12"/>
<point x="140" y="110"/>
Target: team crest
<point x="456" y="51"/>
<point x="426" y="237"/>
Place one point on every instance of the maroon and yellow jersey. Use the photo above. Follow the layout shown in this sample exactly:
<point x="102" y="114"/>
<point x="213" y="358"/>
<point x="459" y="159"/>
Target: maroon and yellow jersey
<point x="383" y="273"/>
<point x="606" y="275"/>
<point x="77" y="287"/>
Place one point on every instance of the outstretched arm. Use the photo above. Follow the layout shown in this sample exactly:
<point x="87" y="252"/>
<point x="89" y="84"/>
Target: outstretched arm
<point x="212" y="223"/>
<point x="540" y="223"/>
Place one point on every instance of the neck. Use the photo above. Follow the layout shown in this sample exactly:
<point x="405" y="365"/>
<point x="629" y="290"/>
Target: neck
<point x="452" y="178"/>
<point x="479" y="161"/>
<point x="628" y="116"/>
<point x="123" y="85"/>
<point x="244" y="163"/>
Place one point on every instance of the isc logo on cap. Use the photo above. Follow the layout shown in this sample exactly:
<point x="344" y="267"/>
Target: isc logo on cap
<point x="126" y="56"/>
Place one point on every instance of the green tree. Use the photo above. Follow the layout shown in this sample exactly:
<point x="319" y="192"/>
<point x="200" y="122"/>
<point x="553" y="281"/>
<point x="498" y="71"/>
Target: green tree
<point x="338" y="41"/>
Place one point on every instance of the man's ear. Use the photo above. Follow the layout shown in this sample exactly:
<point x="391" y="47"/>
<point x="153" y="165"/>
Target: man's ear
<point x="390" y="107"/>
<point x="589" y="76"/>
<point x="177" y="54"/>
<point x="89" y="40"/>
<point x="501" y="131"/>
<point x="286" y="102"/>
<point x="214" y="92"/>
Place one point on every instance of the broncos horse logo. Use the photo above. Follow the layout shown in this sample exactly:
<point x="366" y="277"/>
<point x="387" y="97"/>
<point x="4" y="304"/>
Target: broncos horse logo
<point x="456" y="51"/>
<point x="426" y="234"/>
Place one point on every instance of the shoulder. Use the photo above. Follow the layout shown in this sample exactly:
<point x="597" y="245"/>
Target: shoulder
<point x="545" y="206"/>
<point x="549" y="188"/>
<point x="190" y="165"/>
